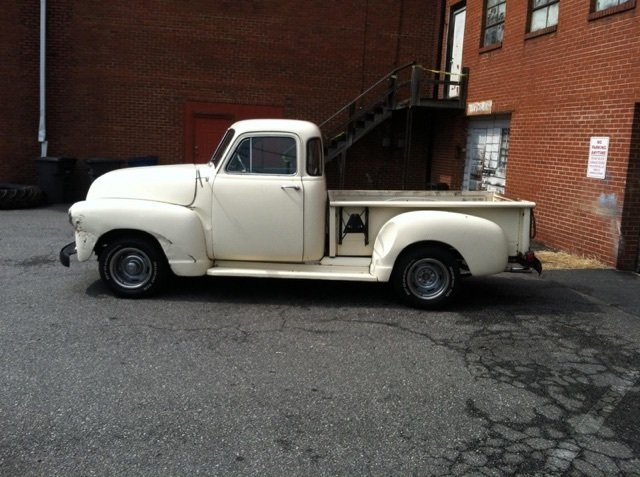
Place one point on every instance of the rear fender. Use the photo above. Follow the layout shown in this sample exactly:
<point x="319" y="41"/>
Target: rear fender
<point x="177" y="229"/>
<point x="481" y="243"/>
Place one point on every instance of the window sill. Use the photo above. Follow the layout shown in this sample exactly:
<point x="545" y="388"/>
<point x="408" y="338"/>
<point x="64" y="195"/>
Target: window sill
<point x="630" y="5"/>
<point x="541" y="32"/>
<point x="488" y="48"/>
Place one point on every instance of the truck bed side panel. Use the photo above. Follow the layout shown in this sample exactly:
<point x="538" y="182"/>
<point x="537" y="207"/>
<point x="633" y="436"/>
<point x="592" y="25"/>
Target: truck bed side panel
<point x="481" y="243"/>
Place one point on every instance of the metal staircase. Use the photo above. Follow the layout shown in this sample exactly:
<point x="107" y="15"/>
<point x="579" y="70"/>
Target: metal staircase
<point x="405" y="87"/>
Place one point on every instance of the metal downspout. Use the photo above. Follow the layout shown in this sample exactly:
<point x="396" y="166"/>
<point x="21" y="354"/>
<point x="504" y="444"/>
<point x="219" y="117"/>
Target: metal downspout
<point x="42" y="129"/>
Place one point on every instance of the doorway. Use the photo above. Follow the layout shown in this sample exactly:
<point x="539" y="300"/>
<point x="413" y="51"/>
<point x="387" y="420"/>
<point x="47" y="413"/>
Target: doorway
<point x="455" y="43"/>
<point x="487" y="154"/>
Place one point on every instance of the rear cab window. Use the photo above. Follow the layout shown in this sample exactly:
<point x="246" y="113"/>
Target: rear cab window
<point x="315" y="160"/>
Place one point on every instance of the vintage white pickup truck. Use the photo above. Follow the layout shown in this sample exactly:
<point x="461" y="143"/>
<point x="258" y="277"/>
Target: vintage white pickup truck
<point x="260" y="208"/>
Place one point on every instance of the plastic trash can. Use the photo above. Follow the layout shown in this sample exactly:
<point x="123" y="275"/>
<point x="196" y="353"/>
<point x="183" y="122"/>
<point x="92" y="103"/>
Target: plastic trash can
<point x="142" y="161"/>
<point x="101" y="165"/>
<point x="55" y="178"/>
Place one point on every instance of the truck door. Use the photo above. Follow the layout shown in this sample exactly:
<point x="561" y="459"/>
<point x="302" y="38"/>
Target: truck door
<point x="258" y="201"/>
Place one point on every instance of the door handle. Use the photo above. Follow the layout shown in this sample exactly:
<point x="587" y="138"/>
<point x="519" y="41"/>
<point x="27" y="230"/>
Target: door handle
<point x="294" y="187"/>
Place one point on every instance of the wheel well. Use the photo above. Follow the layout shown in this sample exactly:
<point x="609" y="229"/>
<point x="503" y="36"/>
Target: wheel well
<point x="435" y="244"/>
<point x="112" y="235"/>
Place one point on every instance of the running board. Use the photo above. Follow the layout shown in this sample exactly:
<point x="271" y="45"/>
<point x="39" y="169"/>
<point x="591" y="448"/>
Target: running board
<point x="341" y="268"/>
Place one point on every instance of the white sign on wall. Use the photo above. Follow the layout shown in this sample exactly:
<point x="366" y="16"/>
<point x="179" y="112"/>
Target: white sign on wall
<point x="598" y="152"/>
<point x="479" y="107"/>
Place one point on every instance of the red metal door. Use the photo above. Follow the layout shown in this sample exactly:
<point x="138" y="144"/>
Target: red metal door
<point x="208" y="130"/>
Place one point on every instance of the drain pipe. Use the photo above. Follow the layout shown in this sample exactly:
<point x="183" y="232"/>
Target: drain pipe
<point x="42" y="129"/>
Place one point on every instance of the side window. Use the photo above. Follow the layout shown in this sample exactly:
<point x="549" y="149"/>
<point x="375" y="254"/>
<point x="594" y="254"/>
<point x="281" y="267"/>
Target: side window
<point x="314" y="157"/>
<point x="495" y="12"/>
<point x="543" y="14"/>
<point x="264" y="155"/>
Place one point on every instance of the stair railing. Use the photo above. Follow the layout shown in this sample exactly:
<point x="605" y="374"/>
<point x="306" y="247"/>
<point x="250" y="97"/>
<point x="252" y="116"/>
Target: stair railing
<point x="345" y="118"/>
<point x="438" y="85"/>
<point x="425" y="87"/>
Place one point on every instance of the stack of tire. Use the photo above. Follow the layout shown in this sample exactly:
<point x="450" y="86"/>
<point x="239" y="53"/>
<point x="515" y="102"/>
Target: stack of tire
<point x="14" y="196"/>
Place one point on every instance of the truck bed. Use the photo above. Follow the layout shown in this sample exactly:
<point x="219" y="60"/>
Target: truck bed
<point x="356" y="216"/>
<point x="421" y="199"/>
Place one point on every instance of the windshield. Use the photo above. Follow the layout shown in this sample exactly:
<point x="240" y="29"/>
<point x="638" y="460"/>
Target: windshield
<point x="217" y="155"/>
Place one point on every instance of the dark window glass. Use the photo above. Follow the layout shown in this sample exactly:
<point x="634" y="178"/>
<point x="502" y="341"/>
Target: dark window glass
<point x="264" y="155"/>
<point x="314" y="157"/>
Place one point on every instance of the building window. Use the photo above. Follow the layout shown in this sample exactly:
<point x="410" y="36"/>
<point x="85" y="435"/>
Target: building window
<point x="494" y="21"/>
<point x="603" y="8"/>
<point x="599" y="5"/>
<point x="544" y="14"/>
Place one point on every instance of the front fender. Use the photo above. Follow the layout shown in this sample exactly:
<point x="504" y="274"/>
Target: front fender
<point x="178" y="229"/>
<point x="481" y="242"/>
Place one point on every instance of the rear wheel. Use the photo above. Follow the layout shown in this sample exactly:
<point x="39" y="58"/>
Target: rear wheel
<point x="133" y="267"/>
<point x="426" y="277"/>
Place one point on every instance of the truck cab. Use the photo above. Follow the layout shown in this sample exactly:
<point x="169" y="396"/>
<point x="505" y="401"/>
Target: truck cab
<point x="269" y="193"/>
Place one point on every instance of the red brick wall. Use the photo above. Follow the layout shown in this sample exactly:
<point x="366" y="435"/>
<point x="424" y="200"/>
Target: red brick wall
<point x="120" y="72"/>
<point x="449" y="135"/>
<point x="19" y="22"/>
<point x="561" y="89"/>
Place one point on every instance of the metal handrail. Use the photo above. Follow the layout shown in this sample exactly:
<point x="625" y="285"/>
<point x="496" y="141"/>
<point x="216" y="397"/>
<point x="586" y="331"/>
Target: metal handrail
<point x="345" y="129"/>
<point x="367" y="91"/>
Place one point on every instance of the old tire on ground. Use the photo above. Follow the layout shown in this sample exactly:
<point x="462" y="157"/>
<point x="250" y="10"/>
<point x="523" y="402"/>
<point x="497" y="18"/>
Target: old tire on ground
<point x="15" y="196"/>
<point x="426" y="277"/>
<point x="133" y="267"/>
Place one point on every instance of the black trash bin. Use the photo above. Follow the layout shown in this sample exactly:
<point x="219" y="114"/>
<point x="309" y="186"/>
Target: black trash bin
<point x="55" y="178"/>
<point x="142" y="161"/>
<point x="101" y="165"/>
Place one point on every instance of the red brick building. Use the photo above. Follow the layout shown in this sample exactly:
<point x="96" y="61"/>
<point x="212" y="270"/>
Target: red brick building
<point x="166" y="78"/>
<point x="546" y="81"/>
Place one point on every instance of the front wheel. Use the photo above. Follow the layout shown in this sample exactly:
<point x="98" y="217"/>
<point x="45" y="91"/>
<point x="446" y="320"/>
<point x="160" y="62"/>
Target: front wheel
<point x="133" y="267"/>
<point x="426" y="277"/>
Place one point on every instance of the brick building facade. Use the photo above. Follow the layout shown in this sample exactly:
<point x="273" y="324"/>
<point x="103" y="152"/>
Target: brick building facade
<point x="553" y="76"/>
<point x="164" y="78"/>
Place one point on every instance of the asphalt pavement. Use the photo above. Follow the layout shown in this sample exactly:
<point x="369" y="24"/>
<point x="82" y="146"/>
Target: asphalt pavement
<point x="523" y="375"/>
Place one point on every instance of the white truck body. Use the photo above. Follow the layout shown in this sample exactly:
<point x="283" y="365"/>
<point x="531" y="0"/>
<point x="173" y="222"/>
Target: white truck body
<point x="261" y="208"/>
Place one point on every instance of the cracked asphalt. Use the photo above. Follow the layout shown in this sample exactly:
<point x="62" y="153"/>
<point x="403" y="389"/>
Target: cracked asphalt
<point x="524" y="375"/>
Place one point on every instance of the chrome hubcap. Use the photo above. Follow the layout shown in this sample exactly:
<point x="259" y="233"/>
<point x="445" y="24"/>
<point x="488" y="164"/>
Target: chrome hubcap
<point x="428" y="278"/>
<point x="131" y="268"/>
